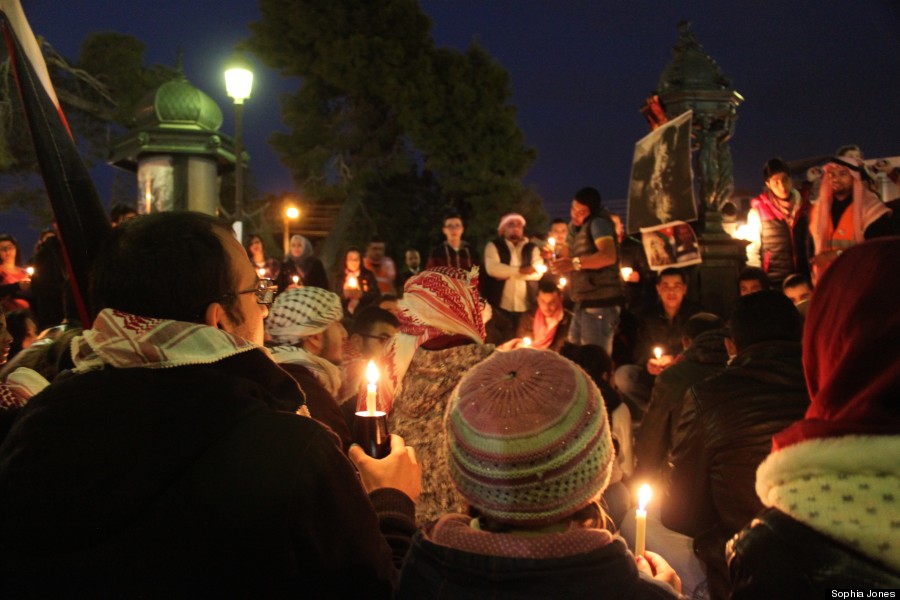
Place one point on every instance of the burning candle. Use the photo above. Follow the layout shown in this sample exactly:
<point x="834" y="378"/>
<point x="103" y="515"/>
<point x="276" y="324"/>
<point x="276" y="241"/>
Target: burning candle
<point x="552" y="242"/>
<point x="526" y="342"/>
<point x="657" y="352"/>
<point x="261" y="272"/>
<point x="352" y="283"/>
<point x="640" y="534"/>
<point x="626" y="273"/>
<point x="562" y="282"/>
<point x="296" y="279"/>
<point x="30" y="271"/>
<point x="541" y="269"/>
<point x="370" y="428"/>
<point x="372" y="388"/>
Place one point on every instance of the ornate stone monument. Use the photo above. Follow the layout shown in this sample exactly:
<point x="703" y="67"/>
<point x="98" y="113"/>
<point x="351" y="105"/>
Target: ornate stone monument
<point x="693" y="81"/>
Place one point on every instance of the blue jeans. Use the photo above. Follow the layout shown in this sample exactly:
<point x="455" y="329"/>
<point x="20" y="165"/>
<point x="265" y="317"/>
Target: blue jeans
<point x="594" y="325"/>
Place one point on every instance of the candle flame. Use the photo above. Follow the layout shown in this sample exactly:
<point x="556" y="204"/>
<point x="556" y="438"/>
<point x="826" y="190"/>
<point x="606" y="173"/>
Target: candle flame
<point x="352" y="282"/>
<point x="526" y="342"/>
<point x="657" y="352"/>
<point x="296" y="278"/>
<point x="30" y="271"/>
<point x="552" y="242"/>
<point x="562" y="282"/>
<point x="372" y="372"/>
<point x="626" y="272"/>
<point x="644" y="495"/>
<point x="261" y="272"/>
<point x="541" y="269"/>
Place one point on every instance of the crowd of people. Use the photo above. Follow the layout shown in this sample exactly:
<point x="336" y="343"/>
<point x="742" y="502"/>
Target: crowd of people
<point x="201" y="436"/>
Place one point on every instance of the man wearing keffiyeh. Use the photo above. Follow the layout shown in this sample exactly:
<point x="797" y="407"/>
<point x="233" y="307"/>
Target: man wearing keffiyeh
<point x="304" y="326"/>
<point x="173" y="461"/>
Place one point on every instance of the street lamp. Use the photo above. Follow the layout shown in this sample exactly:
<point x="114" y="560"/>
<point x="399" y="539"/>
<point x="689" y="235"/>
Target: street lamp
<point x="238" y="83"/>
<point x="290" y="213"/>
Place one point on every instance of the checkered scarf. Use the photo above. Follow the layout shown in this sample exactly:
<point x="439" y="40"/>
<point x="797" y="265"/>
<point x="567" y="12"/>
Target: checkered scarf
<point x="301" y="312"/>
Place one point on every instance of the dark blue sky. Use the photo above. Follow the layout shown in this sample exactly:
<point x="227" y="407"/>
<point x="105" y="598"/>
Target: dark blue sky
<point x="815" y="74"/>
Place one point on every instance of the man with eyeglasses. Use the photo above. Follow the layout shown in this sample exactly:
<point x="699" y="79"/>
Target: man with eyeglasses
<point x="372" y="329"/>
<point x="454" y="251"/>
<point x="659" y="339"/>
<point x="173" y="460"/>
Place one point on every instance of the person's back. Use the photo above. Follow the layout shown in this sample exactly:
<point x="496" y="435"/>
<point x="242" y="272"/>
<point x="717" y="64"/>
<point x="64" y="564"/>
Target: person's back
<point x="530" y="451"/>
<point x="830" y="482"/>
<point x="726" y="425"/>
<point x="172" y="461"/>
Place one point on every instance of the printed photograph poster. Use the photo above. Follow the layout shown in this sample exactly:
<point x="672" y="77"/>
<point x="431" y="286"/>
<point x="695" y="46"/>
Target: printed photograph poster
<point x="661" y="189"/>
<point x="671" y="245"/>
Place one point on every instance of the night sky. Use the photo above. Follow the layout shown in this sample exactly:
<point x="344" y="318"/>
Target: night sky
<point x="815" y="75"/>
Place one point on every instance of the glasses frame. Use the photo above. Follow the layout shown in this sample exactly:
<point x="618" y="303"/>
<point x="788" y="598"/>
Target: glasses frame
<point x="265" y="291"/>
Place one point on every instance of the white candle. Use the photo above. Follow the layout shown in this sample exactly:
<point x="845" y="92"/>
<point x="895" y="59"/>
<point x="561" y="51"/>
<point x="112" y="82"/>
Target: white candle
<point x="526" y="342"/>
<point x="657" y="352"/>
<point x="562" y="282"/>
<point x="626" y="273"/>
<point x="371" y="389"/>
<point x="640" y="534"/>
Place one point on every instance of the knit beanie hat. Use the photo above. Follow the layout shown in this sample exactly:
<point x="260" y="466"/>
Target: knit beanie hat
<point x="529" y="441"/>
<point x="301" y="312"/>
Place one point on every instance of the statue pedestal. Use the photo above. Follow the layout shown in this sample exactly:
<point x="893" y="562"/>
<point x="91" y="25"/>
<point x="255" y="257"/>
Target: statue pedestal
<point x="723" y="258"/>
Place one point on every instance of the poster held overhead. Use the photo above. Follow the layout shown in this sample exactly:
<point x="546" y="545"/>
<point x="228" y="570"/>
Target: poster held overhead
<point x="661" y="189"/>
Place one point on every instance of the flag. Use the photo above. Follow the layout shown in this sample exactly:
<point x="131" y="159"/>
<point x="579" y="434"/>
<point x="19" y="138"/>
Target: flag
<point x="81" y="221"/>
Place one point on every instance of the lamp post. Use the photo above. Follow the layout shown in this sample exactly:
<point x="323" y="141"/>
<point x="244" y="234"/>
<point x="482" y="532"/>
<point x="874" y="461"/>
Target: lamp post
<point x="290" y="213"/>
<point x="238" y="83"/>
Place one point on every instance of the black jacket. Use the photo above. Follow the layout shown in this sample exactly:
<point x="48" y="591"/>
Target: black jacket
<point x="724" y="433"/>
<point x="192" y="481"/>
<point x="779" y="557"/>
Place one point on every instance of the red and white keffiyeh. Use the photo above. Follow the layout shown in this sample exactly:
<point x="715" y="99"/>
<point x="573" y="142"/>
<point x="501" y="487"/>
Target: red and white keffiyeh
<point x="439" y="302"/>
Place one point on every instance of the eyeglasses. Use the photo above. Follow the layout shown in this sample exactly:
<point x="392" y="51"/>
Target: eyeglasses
<point x="265" y="291"/>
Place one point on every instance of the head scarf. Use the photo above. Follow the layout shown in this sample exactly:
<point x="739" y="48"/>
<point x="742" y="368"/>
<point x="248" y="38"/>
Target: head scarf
<point x="866" y="206"/>
<point x="851" y="354"/>
<point x="307" y="249"/>
<point x="301" y="312"/>
<point x="443" y="301"/>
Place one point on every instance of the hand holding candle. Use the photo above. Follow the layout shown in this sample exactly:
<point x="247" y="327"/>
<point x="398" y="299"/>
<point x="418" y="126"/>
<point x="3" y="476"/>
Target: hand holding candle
<point x="640" y="535"/>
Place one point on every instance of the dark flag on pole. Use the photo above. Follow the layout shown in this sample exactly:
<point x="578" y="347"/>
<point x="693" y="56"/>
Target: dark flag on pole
<point x="81" y="221"/>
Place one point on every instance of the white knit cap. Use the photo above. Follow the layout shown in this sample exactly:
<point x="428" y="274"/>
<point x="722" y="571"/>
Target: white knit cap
<point x="301" y="312"/>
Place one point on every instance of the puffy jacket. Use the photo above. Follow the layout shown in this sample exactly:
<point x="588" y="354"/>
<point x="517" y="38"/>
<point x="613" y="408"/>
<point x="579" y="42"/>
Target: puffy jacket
<point x="779" y="557"/>
<point x="724" y="433"/>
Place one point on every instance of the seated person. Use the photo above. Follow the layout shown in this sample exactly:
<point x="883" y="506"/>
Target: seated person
<point x="547" y="326"/>
<point x="753" y="279"/>
<point x="531" y="453"/>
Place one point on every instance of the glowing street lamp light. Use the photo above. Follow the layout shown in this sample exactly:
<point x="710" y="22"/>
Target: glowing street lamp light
<point x="290" y="213"/>
<point x="238" y="84"/>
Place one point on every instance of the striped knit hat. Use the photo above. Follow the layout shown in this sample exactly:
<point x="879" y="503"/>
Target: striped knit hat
<point x="301" y="312"/>
<point x="528" y="438"/>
